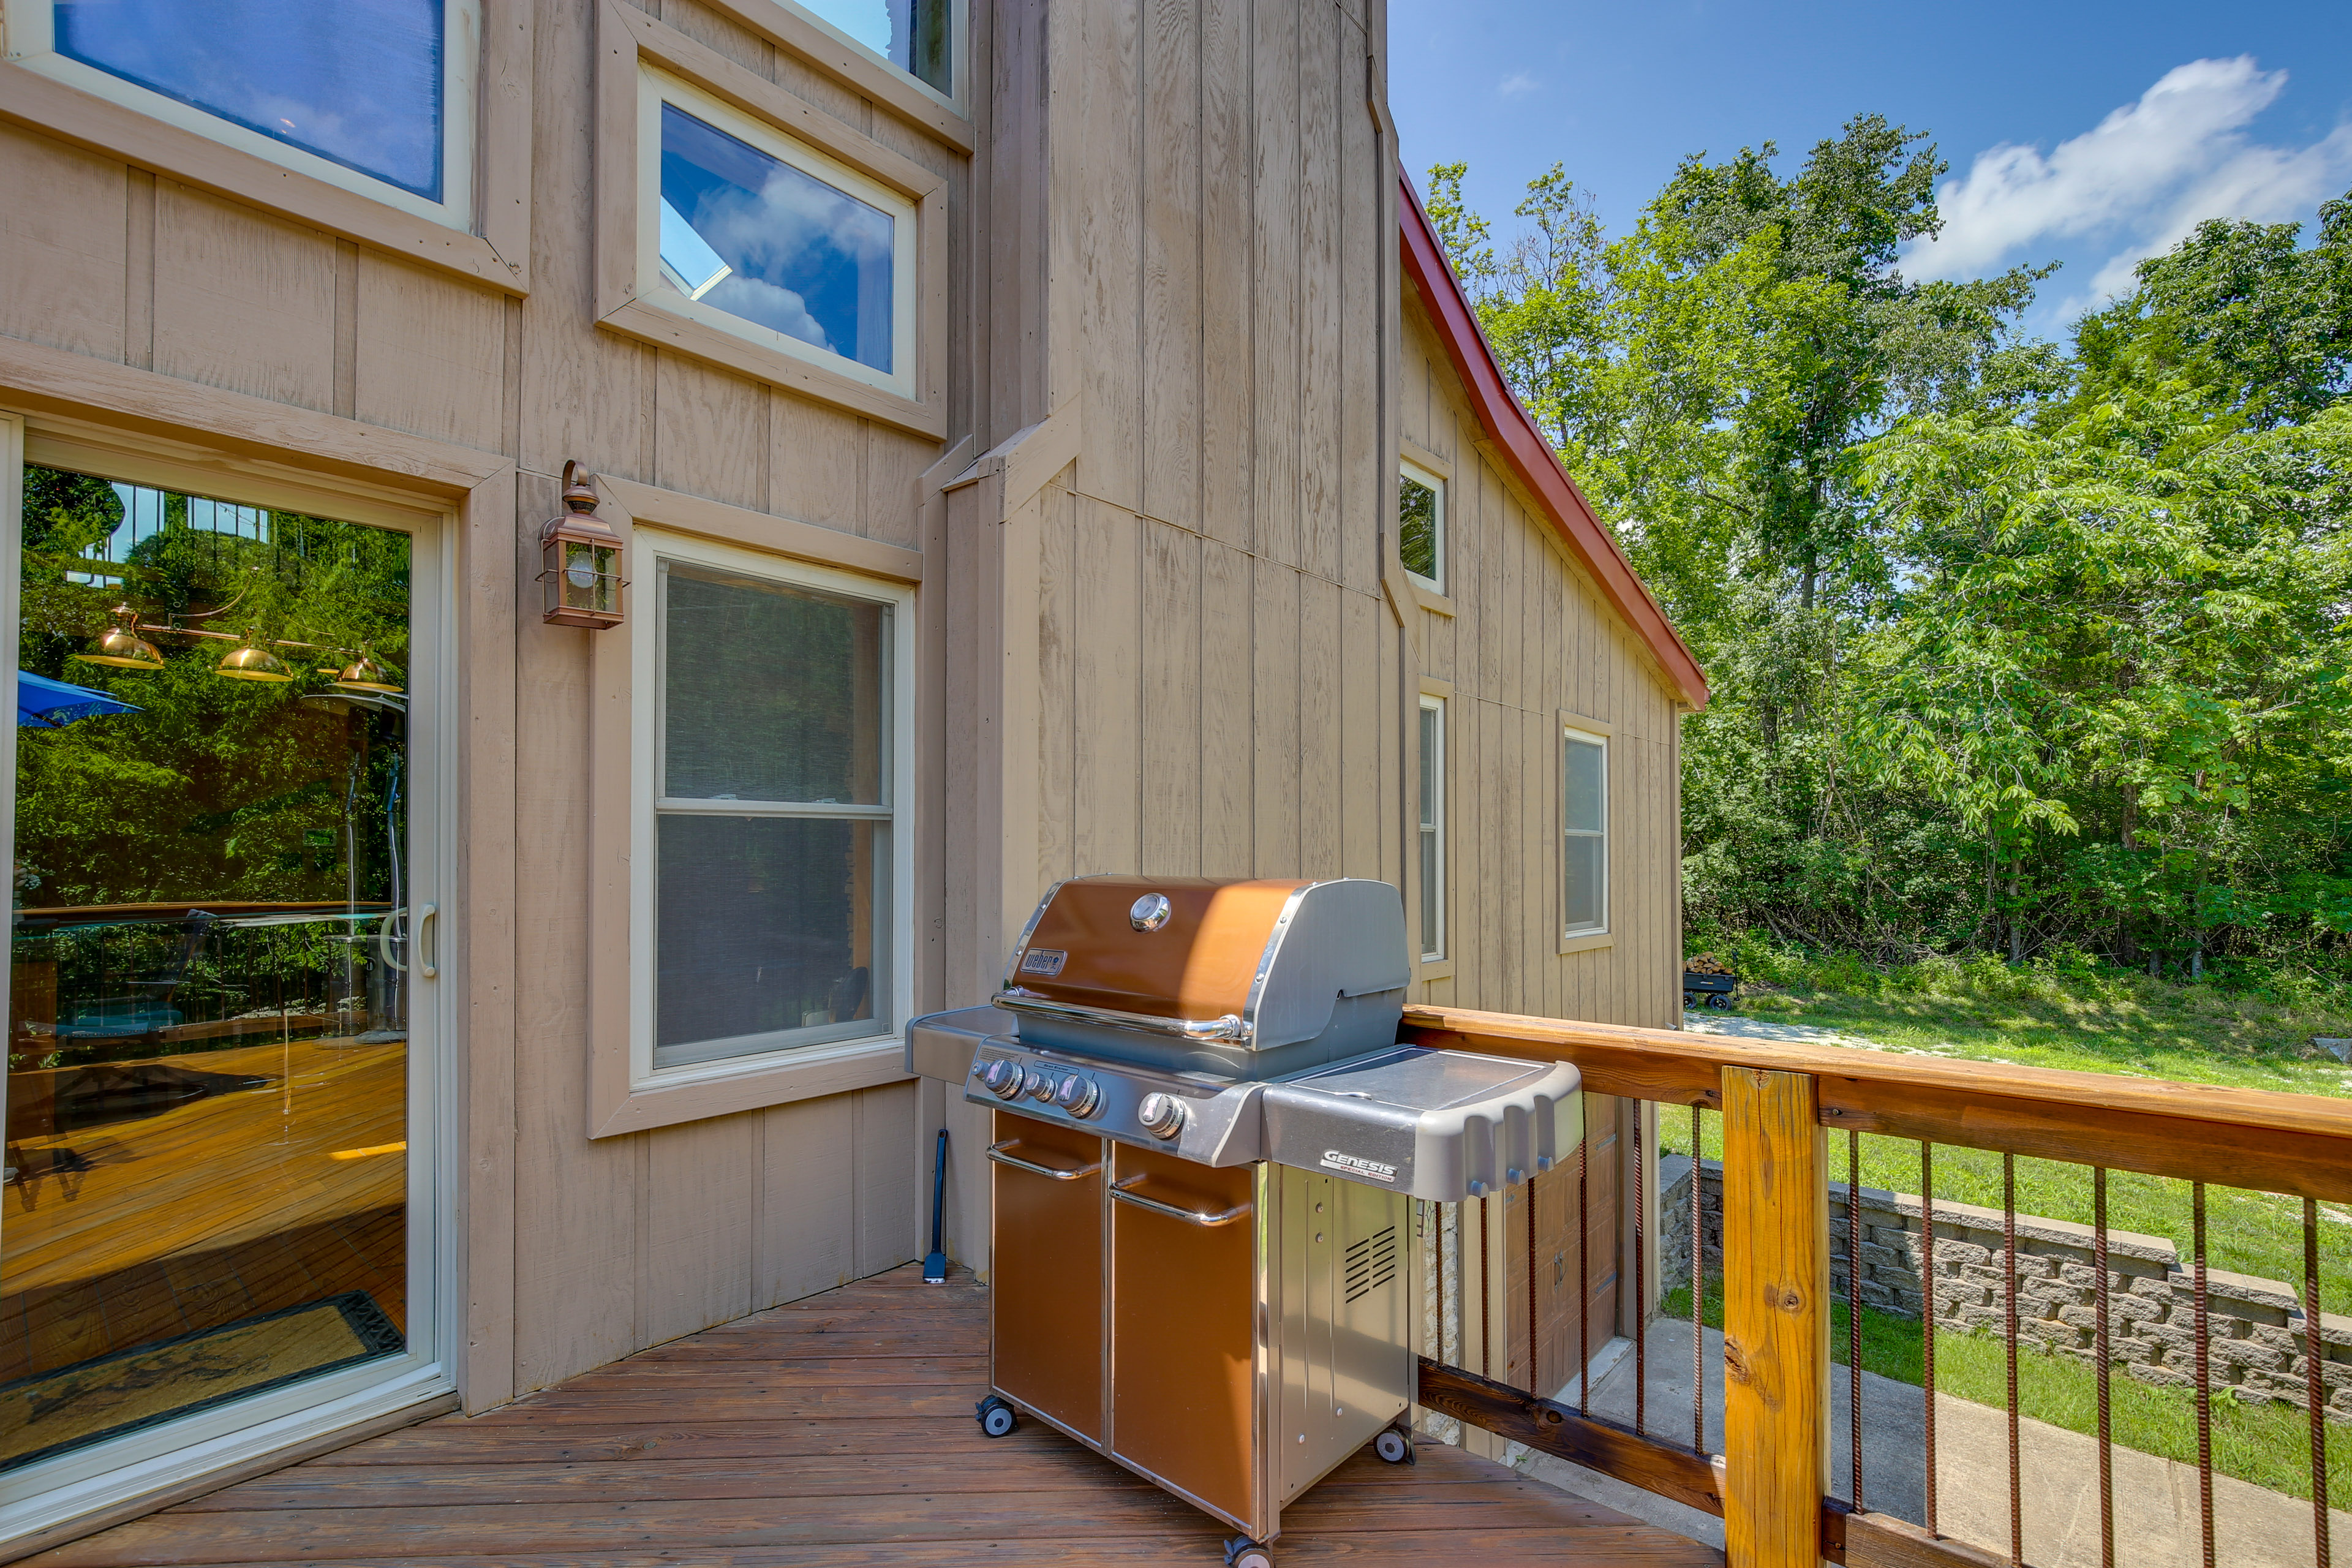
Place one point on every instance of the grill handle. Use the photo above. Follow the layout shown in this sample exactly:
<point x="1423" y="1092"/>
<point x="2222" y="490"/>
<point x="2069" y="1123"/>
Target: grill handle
<point x="1123" y="1192"/>
<point x="1228" y="1028"/>
<point x="997" y="1152"/>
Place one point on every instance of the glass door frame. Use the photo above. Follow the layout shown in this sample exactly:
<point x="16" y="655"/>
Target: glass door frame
<point x="148" y="1467"/>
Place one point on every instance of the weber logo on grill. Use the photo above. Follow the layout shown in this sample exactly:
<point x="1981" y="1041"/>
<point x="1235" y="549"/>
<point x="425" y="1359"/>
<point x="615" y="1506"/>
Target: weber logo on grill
<point x="1357" y="1165"/>
<point x="1045" y="961"/>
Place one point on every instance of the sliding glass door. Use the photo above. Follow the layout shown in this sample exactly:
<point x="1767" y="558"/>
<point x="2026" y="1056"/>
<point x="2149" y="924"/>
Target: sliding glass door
<point x="214" y="962"/>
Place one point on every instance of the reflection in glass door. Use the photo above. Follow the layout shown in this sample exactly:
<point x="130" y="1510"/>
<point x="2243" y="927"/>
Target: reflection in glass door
<point x="206" y="1183"/>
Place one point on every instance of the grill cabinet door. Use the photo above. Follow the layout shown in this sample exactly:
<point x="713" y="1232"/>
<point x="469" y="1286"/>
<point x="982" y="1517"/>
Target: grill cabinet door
<point x="1184" y="1353"/>
<point x="1047" y="1296"/>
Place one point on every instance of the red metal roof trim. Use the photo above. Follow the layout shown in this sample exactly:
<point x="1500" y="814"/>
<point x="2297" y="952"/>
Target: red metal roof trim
<point x="1524" y="450"/>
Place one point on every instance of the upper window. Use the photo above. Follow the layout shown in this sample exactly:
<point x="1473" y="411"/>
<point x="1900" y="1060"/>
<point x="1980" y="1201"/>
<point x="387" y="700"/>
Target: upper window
<point x="916" y="35"/>
<point x="770" y="239"/>
<point x="776" y="851"/>
<point x="1433" y="827"/>
<point x="1421" y="525"/>
<point x="372" y="95"/>
<point x="1584" y="823"/>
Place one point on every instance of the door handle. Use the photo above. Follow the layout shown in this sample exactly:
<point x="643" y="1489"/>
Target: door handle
<point x="1124" y="1192"/>
<point x="997" y="1152"/>
<point x="424" y="920"/>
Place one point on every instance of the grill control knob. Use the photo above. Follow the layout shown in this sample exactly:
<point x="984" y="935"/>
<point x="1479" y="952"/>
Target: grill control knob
<point x="1078" y="1095"/>
<point x="1162" y="1115"/>
<point x="1040" y="1084"/>
<point x="1001" y="1078"/>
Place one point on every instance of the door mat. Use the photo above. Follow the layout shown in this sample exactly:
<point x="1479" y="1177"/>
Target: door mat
<point x="113" y="1394"/>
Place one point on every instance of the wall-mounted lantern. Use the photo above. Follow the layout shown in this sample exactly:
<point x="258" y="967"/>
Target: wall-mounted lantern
<point x="580" y="557"/>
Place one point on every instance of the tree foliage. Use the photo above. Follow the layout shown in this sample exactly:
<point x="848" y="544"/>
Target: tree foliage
<point x="2012" y="643"/>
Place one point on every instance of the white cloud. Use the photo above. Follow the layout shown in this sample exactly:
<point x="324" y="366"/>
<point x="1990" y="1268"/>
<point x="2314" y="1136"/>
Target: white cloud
<point x="1517" y="84"/>
<point x="2146" y="176"/>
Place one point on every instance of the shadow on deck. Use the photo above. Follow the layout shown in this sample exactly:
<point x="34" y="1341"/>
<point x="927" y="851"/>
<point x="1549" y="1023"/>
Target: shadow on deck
<point x="835" y="1430"/>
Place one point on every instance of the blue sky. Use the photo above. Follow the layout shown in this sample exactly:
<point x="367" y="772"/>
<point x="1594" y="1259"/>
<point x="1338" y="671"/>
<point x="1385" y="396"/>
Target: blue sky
<point x="2086" y="133"/>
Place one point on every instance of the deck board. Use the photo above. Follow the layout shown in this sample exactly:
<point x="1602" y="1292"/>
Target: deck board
<point x="836" y="1431"/>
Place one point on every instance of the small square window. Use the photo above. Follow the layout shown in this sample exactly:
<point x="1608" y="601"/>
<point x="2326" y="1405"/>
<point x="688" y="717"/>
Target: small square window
<point x="916" y="35"/>
<point x="371" y="95"/>
<point x="766" y="238"/>
<point x="1421" y="526"/>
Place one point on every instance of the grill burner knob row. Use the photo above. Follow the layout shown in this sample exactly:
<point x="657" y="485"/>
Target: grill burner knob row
<point x="1001" y="1078"/>
<point x="1162" y="1115"/>
<point x="1078" y="1095"/>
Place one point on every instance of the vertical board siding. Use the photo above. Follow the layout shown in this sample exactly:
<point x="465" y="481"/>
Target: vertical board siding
<point x="64" y="225"/>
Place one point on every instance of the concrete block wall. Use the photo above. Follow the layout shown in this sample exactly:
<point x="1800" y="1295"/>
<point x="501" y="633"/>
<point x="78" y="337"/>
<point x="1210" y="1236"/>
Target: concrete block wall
<point x="2255" y="1335"/>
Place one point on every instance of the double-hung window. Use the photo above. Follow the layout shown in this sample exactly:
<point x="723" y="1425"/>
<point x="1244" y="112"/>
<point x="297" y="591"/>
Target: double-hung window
<point x="774" y="874"/>
<point x="375" y="96"/>
<point x="1421" y="525"/>
<point x="1433" y="829"/>
<point x="1584" y="833"/>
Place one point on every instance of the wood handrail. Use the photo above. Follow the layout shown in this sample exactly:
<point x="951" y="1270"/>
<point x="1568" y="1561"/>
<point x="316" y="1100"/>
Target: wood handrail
<point x="2250" y="1138"/>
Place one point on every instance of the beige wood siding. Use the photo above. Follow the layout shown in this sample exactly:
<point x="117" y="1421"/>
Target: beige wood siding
<point x="1530" y="639"/>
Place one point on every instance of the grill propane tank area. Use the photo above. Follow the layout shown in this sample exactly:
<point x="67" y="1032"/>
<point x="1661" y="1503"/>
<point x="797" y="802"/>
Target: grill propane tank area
<point x="1206" y="1142"/>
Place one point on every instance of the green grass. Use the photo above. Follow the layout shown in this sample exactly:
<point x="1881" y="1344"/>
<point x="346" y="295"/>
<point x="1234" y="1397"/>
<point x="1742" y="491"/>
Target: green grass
<point x="2267" y="1445"/>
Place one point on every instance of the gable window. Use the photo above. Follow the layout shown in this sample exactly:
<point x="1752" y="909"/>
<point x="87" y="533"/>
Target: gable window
<point x="916" y="35"/>
<point x="770" y="239"/>
<point x="371" y="95"/>
<point x="1433" y="827"/>
<point x="769" y="917"/>
<point x="1584" y="824"/>
<point x="1421" y="525"/>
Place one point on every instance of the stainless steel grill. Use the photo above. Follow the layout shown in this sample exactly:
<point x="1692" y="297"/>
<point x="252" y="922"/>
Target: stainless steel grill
<point x="1206" y="1142"/>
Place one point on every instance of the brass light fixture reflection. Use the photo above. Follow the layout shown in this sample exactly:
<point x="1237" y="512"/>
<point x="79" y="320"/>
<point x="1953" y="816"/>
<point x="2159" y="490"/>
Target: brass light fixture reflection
<point x="365" y="673"/>
<point x="248" y="660"/>
<point x="121" y="647"/>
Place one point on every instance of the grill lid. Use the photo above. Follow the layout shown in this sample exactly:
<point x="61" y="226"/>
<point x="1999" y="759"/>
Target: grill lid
<point x="1259" y="963"/>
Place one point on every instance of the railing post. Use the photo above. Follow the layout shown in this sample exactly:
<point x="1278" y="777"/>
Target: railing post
<point x="1776" y="1320"/>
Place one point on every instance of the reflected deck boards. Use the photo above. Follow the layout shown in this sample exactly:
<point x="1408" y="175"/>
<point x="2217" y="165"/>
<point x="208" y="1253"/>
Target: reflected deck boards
<point x="833" y="1431"/>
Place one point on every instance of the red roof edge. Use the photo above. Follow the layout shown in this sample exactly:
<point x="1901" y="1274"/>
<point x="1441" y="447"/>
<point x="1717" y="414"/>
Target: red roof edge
<point x="1524" y="449"/>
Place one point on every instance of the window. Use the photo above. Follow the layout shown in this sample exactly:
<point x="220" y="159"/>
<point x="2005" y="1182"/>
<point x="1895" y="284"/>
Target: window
<point x="753" y="232"/>
<point x="1433" y="827"/>
<point x="916" y="35"/>
<point x="776" y="754"/>
<point x="1584" y="824"/>
<point x="1421" y="525"/>
<point x="372" y="95"/>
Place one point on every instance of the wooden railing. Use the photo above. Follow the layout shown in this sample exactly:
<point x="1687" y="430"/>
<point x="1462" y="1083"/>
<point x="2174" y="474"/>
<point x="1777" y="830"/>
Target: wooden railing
<point x="1778" y="1102"/>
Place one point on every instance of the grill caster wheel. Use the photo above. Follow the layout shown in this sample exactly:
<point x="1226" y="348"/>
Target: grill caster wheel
<point x="1393" y="1447"/>
<point x="997" y="1418"/>
<point x="1241" y="1552"/>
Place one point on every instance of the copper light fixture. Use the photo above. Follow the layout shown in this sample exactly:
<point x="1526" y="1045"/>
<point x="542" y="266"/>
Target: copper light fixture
<point x="248" y="660"/>
<point x="123" y="647"/>
<point x="580" y="557"/>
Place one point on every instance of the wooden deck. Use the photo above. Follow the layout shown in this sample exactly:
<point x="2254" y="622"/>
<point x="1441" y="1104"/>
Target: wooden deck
<point x="836" y="1430"/>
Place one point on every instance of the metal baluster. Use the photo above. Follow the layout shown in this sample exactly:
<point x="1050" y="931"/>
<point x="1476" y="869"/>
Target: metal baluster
<point x="1641" y="1293"/>
<point x="1927" y="1316"/>
<point x="1583" y="1278"/>
<point x="1528" y="1198"/>
<point x="1698" y="1297"/>
<point x="1485" y="1292"/>
<point x="2204" y="1379"/>
<point x="2314" y="1382"/>
<point x="2107" y="1365"/>
<point x="1437" y="1226"/>
<point x="2008" y="1252"/>
<point x="1854" y="1302"/>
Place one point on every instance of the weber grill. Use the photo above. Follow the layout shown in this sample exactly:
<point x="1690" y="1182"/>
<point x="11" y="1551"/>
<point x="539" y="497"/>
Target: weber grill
<point x="1205" y="1139"/>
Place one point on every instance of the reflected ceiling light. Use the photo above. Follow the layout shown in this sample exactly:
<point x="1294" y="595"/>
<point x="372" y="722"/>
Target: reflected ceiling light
<point x="250" y="661"/>
<point x="121" y="647"/>
<point x="365" y="673"/>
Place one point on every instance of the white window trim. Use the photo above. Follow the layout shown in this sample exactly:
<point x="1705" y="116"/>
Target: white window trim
<point x="1583" y="934"/>
<point x="656" y="88"/>
<point x="1433" y="946"/>
<point x="1408" y="469"/>
<point x="32" y="45"/>
<point x="651" y="547"/>
<point x="165" y="1457"/>
<point x="958" y="53"/>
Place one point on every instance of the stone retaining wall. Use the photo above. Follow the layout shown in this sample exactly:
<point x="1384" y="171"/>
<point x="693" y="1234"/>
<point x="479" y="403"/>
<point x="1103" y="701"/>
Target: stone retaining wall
<point x="2254" y="1327"/>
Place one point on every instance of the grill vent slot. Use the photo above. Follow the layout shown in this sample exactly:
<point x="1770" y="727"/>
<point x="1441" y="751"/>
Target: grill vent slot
<point x="1371" y="1263"/>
